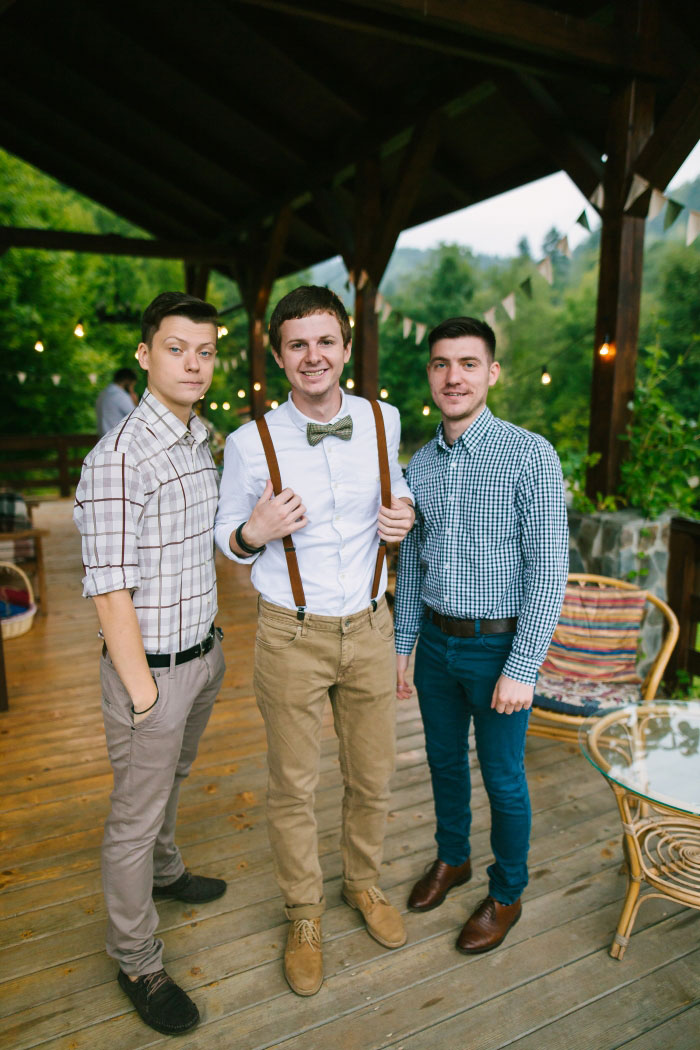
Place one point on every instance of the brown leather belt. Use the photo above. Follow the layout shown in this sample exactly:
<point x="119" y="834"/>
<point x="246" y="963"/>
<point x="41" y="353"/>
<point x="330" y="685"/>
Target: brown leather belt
<point x="467" y="628"/>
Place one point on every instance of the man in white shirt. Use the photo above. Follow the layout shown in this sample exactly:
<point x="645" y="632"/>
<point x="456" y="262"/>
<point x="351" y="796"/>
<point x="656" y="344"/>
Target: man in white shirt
<point x="116" y="400"/>
<point x="338" y="642"/>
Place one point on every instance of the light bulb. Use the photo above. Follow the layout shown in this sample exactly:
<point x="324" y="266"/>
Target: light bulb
<point x="546" y="378"/>
<point x="213" y="406"/>
<point x="426" y="410"/>
<point x="79" y="330"/>
<point x="226" y="405"/>
<point x="384" y="393"/>
<point x="274" y="404"/>
<point x="350" y="384"/>
<point x="241" y="393"/>
<point x="257" y="386"/>
<point x="39" y="346"/>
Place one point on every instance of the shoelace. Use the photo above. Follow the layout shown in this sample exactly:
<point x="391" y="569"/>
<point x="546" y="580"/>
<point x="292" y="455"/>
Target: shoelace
<point x="307" y="931"/>
<point x="155" y="981"/>
<point x="376" y="896"/>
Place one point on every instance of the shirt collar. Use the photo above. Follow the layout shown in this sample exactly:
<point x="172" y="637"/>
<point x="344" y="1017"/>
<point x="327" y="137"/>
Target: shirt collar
<point x="167" y="428"/>
<point x="300" y="420"/>
<point x="474" y="433"/>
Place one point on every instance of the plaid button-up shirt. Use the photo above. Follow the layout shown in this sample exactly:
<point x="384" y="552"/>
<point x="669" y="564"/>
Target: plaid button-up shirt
<point x="490" y="539"/>
<point x="145" y="507"/>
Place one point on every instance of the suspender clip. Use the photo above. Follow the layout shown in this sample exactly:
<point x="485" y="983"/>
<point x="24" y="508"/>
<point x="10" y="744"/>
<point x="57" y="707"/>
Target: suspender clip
<point x="374" y="605"/>
<point x="301" y="612"/>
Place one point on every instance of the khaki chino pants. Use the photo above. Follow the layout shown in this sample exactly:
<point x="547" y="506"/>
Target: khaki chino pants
<point x="298" y="666"/>
<point x="149" y="762"/>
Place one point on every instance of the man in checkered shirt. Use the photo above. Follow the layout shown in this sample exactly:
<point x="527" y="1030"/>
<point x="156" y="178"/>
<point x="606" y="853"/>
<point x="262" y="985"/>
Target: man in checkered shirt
<point x="145" y="509"/>
<point x="480" y="583"/>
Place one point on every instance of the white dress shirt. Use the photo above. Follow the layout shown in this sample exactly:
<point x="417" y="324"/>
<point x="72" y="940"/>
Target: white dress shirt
<point x="338" y="482"/>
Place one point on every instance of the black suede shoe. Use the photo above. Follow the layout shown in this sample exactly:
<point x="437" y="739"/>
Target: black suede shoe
<point x="195" y="889"/>
<point x="160" y="1002"/>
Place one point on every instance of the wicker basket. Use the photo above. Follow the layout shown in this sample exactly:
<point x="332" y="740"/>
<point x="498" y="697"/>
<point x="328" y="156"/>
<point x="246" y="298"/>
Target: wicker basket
<point x="19" y="623"/>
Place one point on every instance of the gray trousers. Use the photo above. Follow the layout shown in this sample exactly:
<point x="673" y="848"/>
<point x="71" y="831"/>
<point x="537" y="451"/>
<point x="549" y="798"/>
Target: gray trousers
<point x="149" y="762"/>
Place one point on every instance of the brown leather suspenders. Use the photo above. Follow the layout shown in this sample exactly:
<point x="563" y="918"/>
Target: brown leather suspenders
<point x="289" y="548"/>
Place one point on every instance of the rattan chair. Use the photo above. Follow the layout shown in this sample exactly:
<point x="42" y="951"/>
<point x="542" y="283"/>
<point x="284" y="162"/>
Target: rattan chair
<point x="565" y="726"/>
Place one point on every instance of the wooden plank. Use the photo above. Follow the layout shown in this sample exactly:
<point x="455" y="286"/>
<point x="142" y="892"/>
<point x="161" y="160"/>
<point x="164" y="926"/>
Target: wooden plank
<point x="679" y="1033"/>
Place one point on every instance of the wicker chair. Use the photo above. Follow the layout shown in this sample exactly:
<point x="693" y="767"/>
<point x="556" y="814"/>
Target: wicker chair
<point x="547" y="721"/>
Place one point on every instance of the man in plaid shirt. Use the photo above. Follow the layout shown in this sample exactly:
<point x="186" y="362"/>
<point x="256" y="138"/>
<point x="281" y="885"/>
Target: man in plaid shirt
<point x="145" y="509"/>
<point x="480" y="583"/>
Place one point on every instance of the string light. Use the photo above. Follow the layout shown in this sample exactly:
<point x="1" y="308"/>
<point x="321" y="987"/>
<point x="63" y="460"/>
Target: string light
<point x="39" y="346"/>
<point x="257" y="386"/>
<point x="546" y="378"/>
<point x="213" y="406"/>
<point x="384" y="393"/>
<point x="350" y="384"/>
<point x="274" y="404"/>
<point x="426" y="410"/>
<point x="605" y="349"/>
<point x="79" y="330"/>
<point x="222" y="330"/>
<point x="241" y="393"/>
<point x="226" y="405"/>
<point x="352" y="322"/>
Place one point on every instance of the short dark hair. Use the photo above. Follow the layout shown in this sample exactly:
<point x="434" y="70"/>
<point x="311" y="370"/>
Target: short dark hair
<point x="124" y="375"/>
<point x="304" y="301"/>
<point x="175" y="304"/>
<point x="458" y="327"/>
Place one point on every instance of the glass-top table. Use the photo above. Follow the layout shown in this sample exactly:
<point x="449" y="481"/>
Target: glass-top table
<point x="650" y="755"/>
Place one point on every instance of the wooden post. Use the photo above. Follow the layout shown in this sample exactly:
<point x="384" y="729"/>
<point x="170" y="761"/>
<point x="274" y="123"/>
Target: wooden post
<point x="196" y="279"/>
<point x="619" y="286"/>
<point x="365" y="341"/>
<point x="255" y="276"/>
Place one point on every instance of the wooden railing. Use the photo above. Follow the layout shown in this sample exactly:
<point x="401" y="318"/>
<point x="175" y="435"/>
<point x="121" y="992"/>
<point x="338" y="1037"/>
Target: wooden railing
<point x="43" y="461"/>
<point x="684" y="594"/>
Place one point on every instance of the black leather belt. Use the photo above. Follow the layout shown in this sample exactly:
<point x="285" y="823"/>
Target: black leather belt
<point x="467" y="628"/>
<point x="163" y="659"/>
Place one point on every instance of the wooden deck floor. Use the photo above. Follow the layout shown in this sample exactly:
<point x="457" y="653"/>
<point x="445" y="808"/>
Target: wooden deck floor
<point x="552" y="985"/>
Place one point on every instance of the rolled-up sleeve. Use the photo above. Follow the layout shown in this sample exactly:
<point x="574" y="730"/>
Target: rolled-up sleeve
<point x="108" y="512"/>
<point x="237" y="499"/>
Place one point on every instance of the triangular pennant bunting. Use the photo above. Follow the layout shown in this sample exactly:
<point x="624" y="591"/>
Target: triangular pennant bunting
<point x="362" y="280"/>
<point x="92" y="376"/>
<point x="378" y="302"/>
<point x="693" y="227"/>
<point x="656" y="204"/>
<point x="386" y="311"/>
<point x="639" y="185"/>
<point x="563" y="247"/>
<point x="526" y="286"/>
<point x="407" y="326"/>
<point x="21" y="376"/>
<point x="55" y="379"/>
<point x="490" y="316"/>
<point x="421" y="329"/>
<point x="673" y="210"/>
<point x="545" y="269"/>
<point x="597" y="198"/>
<point x="508" y="305"/>
<point x="583" y="220"/>
<point x="225" y="365"/>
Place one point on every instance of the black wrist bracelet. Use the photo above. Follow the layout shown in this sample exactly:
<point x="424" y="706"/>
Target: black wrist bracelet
<point x="242" y="543"/>
<point x="135" y="712"/>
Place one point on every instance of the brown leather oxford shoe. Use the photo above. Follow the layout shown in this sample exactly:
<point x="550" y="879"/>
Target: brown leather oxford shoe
<point x="439" y="879"/>
<point x="487" y="926"/>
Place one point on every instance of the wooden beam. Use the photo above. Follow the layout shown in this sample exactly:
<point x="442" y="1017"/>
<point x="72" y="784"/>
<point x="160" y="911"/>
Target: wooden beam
<point x="532" y="32"/>
<point x="675" y="136"/>
<point x="619" y="287"/>
<point x="415" y="165"/>
<point x="196" y="279"/>
<point x="112" y="244"/>
<point x="545" y="119"/>
<point x="256" y="271"/>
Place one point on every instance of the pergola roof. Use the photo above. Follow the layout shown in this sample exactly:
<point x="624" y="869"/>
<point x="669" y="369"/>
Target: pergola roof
<point x="198" y="120"/>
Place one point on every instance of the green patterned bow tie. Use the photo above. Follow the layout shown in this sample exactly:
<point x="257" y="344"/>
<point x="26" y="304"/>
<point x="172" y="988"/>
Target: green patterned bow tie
<point x="342" y="428"/>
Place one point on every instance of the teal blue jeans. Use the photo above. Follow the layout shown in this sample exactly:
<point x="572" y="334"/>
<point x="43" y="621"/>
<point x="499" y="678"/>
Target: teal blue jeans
<point x="455" y="678"/>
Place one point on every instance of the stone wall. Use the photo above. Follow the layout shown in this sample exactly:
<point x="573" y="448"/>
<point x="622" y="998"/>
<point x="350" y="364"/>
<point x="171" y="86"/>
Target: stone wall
<point x="623" y="544"/>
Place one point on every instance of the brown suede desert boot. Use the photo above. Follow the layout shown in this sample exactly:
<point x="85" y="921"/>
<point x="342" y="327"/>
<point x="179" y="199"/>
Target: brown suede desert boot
<point x="303" y="957"/>
<point x="487" y="926"/>
<point x="382" y="919"/>
<point x="439" y="879"/>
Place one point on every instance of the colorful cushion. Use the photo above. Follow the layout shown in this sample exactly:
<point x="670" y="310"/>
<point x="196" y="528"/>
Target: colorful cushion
<point x="597" y="635"/>
<point x="575" y="696"/>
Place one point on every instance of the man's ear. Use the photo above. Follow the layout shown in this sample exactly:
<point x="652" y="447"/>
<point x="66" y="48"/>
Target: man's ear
<point x="142" y="354"/>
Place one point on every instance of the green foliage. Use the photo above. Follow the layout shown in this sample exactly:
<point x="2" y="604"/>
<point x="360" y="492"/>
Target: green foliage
<point x="662" y="466"/>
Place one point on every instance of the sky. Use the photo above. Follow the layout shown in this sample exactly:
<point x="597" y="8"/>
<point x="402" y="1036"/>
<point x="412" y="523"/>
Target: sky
<point x="495" y="226"/>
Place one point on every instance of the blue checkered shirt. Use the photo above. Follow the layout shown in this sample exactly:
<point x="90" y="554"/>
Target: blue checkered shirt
<point x="490" y="539"/>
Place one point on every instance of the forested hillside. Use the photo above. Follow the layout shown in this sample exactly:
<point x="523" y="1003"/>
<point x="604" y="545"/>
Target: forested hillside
<point x="43" y="295"/>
